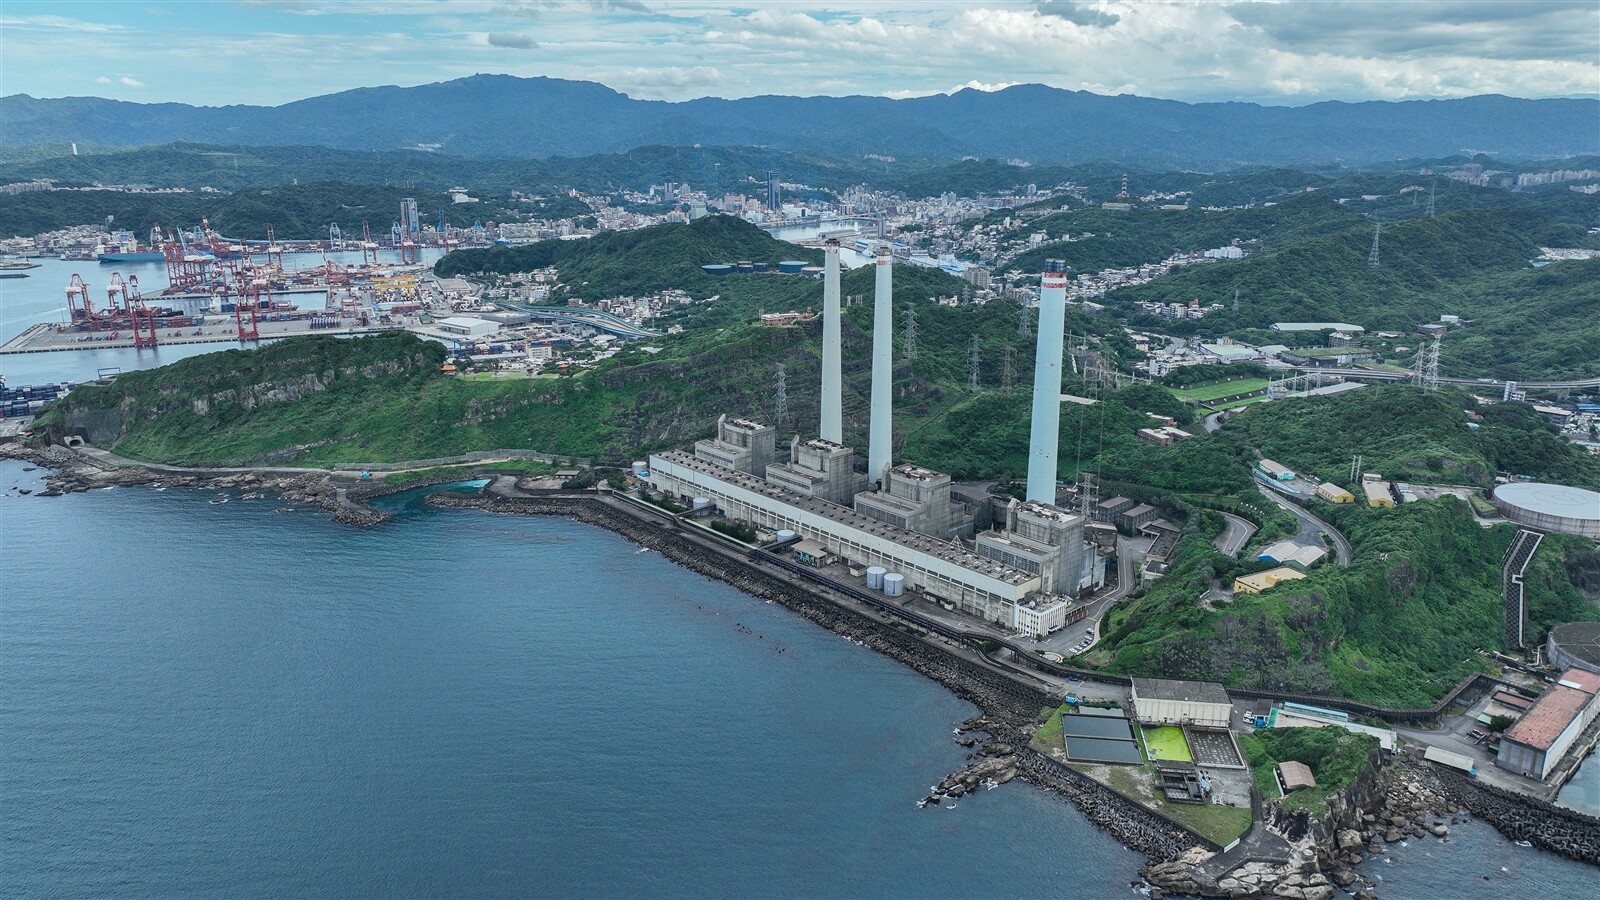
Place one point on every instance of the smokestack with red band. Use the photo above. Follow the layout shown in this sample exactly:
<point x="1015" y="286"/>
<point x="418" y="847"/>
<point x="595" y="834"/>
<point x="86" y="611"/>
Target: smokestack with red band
<point x="1046" y="429"/>
<point x="832" y="351"/>
<point x="880" y="433"/>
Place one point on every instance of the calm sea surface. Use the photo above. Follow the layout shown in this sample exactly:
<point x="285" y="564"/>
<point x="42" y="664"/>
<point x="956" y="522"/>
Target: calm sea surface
<point x="229" y="701"/>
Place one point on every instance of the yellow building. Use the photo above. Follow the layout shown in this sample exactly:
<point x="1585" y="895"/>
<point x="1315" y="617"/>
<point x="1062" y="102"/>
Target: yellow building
<point x="1379" y="494"/>
<point x="1260" y="581"/>
<point x="1334" y="494"/>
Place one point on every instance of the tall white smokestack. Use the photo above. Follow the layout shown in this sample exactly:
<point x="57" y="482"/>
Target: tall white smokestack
<point x="832" y="351"/>
<point x="880" y="435"/>
<point x="1047" y="383"/>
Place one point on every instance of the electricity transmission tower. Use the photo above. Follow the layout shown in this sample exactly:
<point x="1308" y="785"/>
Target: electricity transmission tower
<point x="1024" y="321"/>
<point x="1432" y="188"/>
<point x="972" y="364"/>
<point x="1372" y="258"/>
<point x="1425" y="374"/>
<point x="780" y="397"/>
<point x="1235" y="299"/>
<point x="1005" y="371"/>
<point x="911" y="332"/>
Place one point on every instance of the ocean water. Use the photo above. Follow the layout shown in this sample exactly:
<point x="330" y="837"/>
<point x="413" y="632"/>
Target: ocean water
<point x="41" y="297"/>
<point x="227" y="701"/>
<point x="203" y="700"/>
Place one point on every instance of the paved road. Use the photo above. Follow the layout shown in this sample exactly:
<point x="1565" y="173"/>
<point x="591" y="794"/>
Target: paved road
<point x="1214" y="421"/>
<point x="1238" y="533"/>
<point x="1089" y="626"/>
<point x="1310" y="525"/>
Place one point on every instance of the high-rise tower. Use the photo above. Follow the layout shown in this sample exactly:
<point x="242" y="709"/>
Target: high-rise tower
<point x="880" y="434"/>
<point x="832" y="349"/>
<point x="1045" y="433"/>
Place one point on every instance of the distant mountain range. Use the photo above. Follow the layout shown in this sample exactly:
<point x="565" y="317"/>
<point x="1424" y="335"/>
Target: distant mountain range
<point x="500" y="115"/>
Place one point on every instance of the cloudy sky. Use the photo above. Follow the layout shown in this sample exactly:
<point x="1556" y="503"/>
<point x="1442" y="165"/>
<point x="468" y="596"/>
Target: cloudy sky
<point x="273" y="51"/>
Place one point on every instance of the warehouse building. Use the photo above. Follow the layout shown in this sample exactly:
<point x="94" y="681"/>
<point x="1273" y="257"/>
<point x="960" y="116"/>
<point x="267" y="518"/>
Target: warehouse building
<point x="1292" y="552"/>
<point x="1165" y="701"/>
<point x="1334" y="494"/>
<point x="1260" y="581"/>
<point x="1544" y="734"/>
<point x="1380" y="495"/>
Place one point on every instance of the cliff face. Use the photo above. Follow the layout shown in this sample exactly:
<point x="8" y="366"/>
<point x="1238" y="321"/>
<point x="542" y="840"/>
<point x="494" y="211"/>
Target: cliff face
<point x="218" y="388"/>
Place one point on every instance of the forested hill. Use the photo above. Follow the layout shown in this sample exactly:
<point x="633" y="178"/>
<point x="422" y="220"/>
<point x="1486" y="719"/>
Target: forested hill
<point x="499" y="115"/>
<point x="296" y="212"/>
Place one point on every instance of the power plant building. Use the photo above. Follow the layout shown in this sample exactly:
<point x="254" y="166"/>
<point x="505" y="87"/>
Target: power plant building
<point x="915" y="499"/>
<point x="943" y="570"/>
<point x="741" y="445"/>
<point x="908" y="527"/>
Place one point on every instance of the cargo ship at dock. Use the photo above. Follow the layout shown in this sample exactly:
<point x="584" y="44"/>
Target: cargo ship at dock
<point x="124" y="248"/>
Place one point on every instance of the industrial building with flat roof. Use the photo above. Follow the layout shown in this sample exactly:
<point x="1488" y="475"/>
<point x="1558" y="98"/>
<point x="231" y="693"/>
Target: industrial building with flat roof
<point x="1167" y="701"/>
<point x="1538" y="740"/>
<point x="941" y="569"/>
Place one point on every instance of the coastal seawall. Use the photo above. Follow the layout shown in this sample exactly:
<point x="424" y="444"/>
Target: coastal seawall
<point x="1010" y="708"/>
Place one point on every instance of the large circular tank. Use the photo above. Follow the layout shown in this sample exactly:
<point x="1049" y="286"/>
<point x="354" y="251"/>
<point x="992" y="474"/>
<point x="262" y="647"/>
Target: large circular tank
<point x="745" y="265"/>
<point x="1551" y="507"/>
<point x="717" y="269"/>
<point x="786" y="535"/>
<point x="875" y="577"/>
<point x="894" y="584"/>
<point x="792" y="266"/>
<point x="1575" y="645"/>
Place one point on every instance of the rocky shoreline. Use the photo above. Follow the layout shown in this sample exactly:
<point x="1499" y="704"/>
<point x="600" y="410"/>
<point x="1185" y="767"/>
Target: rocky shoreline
<point x="1010" y="710"/>
<point x="1398" y="801"/>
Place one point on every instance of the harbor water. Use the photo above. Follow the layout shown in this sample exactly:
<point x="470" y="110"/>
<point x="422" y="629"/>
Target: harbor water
<point x="41" y="297"/>
<point x="232" y="700"/>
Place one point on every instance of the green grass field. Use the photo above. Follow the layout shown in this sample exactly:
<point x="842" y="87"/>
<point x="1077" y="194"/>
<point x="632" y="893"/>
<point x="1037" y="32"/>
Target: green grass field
<point x="1232" y="404"/>
<point x="1166" y="742"/>
<point x="1201" y="393"/>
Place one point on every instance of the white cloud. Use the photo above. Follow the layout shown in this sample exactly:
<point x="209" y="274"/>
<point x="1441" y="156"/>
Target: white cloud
<point x="125" y="81"/>
<point x="102" y="80"/>
<point x="678" y="49"/>
<point x="510" y="40"/>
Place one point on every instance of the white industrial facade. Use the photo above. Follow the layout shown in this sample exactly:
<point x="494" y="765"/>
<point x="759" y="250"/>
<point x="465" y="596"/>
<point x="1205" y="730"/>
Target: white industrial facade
<point x="1163" y="701"/>
<point x="944" y="571"/>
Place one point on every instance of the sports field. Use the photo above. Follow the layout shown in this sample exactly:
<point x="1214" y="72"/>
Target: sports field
<point x="1201" y="393"/>
<point x="1166" y="742"/>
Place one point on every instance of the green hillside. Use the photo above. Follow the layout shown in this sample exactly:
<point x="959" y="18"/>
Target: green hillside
<point x="296" y="212"/>
<point x="1409" y="435"/>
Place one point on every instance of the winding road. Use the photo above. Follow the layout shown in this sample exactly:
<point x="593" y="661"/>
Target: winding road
<point x="1311" y="527"/>
<point x="1234" y="538"/>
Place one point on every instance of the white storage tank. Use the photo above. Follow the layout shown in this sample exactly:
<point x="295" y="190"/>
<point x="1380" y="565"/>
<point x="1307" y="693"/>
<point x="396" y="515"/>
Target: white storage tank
<point x="875" y="577"/>
<point x="894" y="584"/>
<point x="701" y="504"/>
<point x="786" y="535"/>
<point x="641" y="469"/>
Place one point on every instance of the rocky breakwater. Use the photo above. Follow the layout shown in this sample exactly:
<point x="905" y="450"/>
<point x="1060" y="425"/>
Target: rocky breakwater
<point x="1187" y="875"/>
<point x="1129" y="822"/>
<point x="1423" y="787"/>
<point x="1010" y="709"/>
<point x="993" y="763"/>
<point x="72" y="472"/>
